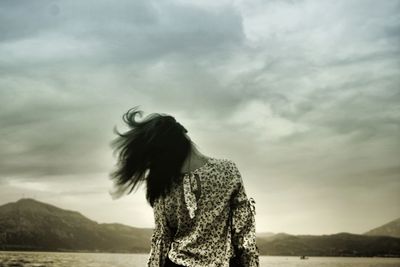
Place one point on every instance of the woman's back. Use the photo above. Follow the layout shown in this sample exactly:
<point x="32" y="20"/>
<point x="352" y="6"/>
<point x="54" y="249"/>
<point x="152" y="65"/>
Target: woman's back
<point x="192" y="221"/>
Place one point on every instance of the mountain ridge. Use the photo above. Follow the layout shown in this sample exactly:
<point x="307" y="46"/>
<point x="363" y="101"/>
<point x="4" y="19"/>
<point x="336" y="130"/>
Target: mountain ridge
<point x="29" y="224"/>
<point x="32" y="225"/>
<point x="391" y="228"/>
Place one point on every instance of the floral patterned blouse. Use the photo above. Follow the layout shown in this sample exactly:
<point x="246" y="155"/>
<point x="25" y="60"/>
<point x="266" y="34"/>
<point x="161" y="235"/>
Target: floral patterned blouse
<point x="192" y="225"/>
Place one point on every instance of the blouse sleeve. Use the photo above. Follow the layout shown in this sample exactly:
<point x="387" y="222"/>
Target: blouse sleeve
<point x="161" y="238"/>
<point x="243" y="224"/>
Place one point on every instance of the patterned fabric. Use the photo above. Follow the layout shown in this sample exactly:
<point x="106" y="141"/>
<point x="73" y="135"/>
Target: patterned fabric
<point x="192" y="222"/>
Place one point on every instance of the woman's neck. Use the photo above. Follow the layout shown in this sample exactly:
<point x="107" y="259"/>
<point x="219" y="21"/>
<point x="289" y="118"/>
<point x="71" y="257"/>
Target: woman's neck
<point x="194" y="160"/>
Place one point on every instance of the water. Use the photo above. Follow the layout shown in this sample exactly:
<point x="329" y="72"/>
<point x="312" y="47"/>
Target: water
<point x="56" y="259"/>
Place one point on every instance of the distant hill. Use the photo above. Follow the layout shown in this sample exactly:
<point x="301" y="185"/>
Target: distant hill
<point x="389" y="229"/>
<point x="32" y="225"/>
<point x="341" y="244"/>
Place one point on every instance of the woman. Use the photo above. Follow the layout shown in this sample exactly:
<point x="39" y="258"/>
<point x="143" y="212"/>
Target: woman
<point x="202" y="214"/>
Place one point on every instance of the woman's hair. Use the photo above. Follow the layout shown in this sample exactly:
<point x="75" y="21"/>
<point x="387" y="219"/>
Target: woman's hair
<point x="152" y="150"/>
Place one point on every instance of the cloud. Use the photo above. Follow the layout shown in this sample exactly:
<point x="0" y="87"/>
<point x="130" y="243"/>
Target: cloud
<point x="297" y="96"/>
<point x="130" y="32"/>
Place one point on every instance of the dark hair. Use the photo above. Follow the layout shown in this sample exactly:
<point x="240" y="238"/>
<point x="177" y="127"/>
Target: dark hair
<point x="152" y="150"/>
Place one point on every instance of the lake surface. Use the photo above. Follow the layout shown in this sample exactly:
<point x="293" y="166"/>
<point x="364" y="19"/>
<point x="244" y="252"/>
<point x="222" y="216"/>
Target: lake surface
<point x="57" y="259"/>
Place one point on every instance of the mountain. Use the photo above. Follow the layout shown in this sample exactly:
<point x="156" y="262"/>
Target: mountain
<point x="32" y="225"/>
<point x="341" y="244"/>
<point x="389" y="229"/>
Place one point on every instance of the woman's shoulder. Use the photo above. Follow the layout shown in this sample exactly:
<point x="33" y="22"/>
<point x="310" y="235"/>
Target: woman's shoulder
<point x="221" y="162"/>
<point x="221" y="175"/>
<point x="225" y="165"/>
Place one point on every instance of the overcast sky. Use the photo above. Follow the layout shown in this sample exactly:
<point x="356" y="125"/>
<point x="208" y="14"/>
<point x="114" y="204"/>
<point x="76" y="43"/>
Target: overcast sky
<point x="303" y="95"/>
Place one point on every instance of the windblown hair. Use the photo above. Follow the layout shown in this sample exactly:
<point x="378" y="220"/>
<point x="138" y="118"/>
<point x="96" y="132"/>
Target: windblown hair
<point x="152" y="150"/>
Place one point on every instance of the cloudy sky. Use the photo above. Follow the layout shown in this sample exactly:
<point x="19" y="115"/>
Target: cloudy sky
<point x="303" y="95"/>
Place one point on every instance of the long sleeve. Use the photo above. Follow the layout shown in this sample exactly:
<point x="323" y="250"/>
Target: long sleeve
<point x="161" y="238"/>
<point x="243" y="224"/>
